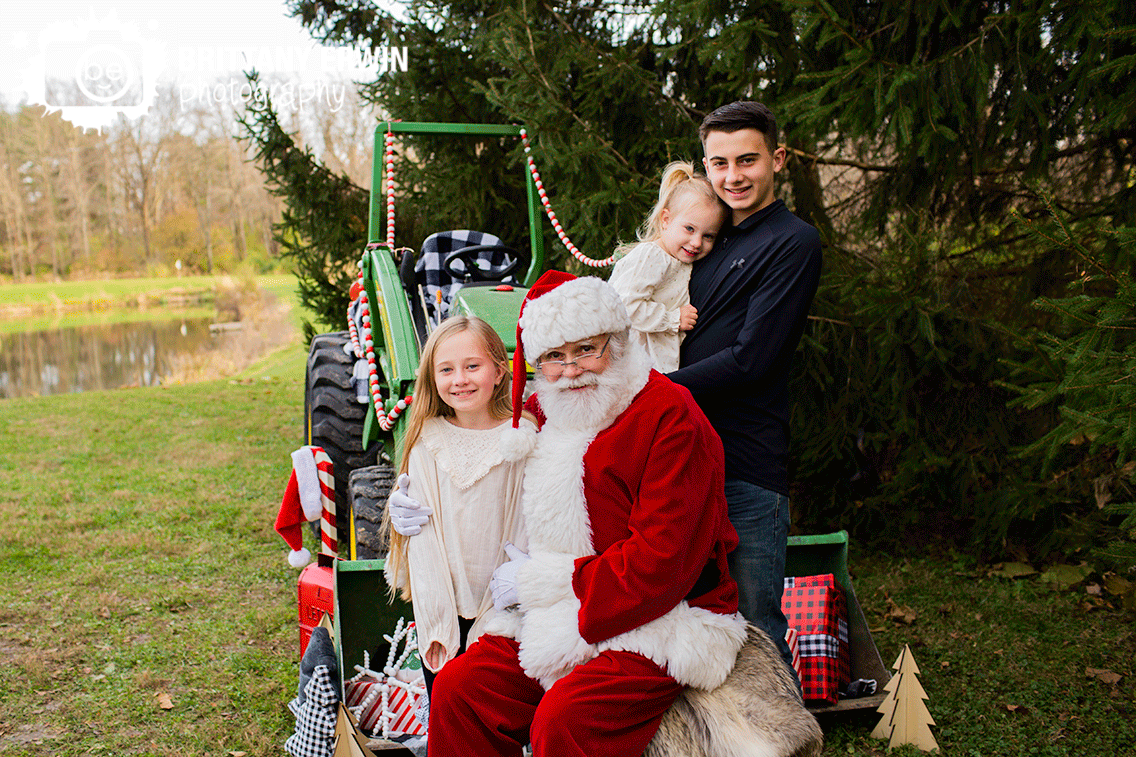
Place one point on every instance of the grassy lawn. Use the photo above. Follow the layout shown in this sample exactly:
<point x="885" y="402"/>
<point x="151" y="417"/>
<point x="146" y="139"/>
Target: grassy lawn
<point x="116" y="292"/>
<point x="139" y="558"/>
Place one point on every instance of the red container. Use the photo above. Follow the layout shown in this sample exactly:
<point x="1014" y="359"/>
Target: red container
<point x="316" y="591"/>
<point x="815" y="607"/>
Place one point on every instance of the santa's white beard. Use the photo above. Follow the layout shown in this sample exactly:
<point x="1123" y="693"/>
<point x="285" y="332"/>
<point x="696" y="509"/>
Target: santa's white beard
<point x="566" y="404"/>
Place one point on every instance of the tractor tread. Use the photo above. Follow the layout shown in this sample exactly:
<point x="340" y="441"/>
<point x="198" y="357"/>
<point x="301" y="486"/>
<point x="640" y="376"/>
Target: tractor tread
<point x="333" y="418"/>
<point x="368" y="489"/>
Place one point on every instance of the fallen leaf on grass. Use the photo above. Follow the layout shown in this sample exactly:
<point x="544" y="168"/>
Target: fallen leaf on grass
<point x="1018" y="708"/>
<point x="900" y="613"/>
<point x="1065" y="576"/>
<point x="1105" y="676"/>
<point x="237" y="754"/>
<point x="1013" y="570"/>
<point x="1117" y="585"/>
<point x="164" y="700"/>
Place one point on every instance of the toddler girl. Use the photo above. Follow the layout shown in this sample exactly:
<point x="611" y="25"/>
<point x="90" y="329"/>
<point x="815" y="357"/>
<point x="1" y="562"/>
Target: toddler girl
<point x="653" y="276"/>
<point x="458" y="499"/>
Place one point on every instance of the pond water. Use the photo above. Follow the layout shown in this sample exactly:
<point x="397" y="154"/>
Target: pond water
<point x="101" y="356"/>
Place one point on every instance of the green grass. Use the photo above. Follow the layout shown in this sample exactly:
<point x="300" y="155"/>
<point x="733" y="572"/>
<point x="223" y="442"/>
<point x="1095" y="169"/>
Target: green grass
<point x="139" y="558"/>
<point x="1003" y="662"/>
<point x="104" y="293"/>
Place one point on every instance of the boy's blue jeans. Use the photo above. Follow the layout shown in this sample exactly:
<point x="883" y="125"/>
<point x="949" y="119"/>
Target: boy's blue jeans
<point x="761" y="518"/>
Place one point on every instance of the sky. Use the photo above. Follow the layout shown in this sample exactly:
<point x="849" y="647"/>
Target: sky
<point x="123" y="48"/>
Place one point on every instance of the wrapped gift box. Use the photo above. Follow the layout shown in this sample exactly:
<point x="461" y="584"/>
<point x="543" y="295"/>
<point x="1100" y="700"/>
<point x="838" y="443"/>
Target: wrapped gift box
<point x="401" y="704"/>
<point x="794" y="650"/>
<point x="815" y="608"/>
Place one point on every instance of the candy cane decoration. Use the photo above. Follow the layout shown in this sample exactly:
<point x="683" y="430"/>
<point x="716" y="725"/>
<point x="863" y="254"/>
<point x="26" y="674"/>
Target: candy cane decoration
<point x="329" y="537"/>
<point x="552" y="215"/>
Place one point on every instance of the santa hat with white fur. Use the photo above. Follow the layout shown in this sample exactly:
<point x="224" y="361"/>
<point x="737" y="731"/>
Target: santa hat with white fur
<point x="311" y="487"/>
<point x="561" y="308"/>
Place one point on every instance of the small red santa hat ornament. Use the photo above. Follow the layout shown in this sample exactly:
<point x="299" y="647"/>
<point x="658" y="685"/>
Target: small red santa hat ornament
<point x="310" y="484"/>
<point x="559" y="308"/>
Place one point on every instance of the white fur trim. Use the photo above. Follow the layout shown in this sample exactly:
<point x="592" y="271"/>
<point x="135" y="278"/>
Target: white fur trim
<point x="507" y="624"/>
<point x="517" y="443"/>
<point x="307" y="482"/>
<point x="551" y="644"/>
<point x="298" y="558"/>
<point x="697" y="647"/>
<point x="577" y="309"/>
<point x="556" y="516"/>
<point x="545" y="580"/>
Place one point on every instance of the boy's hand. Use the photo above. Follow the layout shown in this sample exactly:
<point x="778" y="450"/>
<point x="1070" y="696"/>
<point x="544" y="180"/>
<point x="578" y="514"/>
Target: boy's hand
<point x="687" y="317"/>
<point x="408" y="516"/>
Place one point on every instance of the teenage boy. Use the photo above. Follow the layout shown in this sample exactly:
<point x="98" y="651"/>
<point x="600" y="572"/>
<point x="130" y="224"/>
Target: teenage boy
<point x="752" y="293"/>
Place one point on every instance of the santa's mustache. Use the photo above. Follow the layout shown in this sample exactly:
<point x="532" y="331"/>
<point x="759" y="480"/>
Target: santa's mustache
<point x="575" y="382"/>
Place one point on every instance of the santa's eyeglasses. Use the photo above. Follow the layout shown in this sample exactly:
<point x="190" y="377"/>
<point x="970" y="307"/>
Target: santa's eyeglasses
<point x="586" y="360"/>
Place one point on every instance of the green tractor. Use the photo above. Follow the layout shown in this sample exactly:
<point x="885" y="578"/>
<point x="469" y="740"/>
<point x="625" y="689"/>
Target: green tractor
<point x="358" y="382"/>
<point x="401" y="298"/>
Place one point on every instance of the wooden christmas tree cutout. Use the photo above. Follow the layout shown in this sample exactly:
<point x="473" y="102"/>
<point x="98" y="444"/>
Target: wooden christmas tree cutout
<point x="349" y="742"/>
<point x="905" y="717"/>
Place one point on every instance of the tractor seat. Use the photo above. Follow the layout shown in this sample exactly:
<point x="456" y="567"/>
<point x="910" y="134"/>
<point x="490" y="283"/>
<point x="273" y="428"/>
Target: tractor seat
<point x="439" y="285"/>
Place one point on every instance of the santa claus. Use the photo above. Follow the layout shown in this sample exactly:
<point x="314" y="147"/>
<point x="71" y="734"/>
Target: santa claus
<point x="624" y="598"/>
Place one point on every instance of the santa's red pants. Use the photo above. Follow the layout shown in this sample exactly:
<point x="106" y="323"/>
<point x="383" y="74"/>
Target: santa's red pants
<point x="483" y="704"/>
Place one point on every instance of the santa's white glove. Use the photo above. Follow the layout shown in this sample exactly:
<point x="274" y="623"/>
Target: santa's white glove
<point x="503" y="584"/>
<point x="408" y="516"/>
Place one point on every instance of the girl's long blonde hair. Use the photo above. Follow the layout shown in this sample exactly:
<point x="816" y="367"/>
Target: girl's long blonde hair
<point x="427" y="404"/>
<point x="681" y="184"/>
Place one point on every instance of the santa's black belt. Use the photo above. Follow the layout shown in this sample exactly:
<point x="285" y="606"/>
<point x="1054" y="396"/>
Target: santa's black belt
<point x="707" y="580"/>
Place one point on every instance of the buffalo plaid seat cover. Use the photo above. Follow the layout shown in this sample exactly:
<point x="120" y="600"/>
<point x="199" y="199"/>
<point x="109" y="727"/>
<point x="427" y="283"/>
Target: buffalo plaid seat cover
<point x="432" y="276"/>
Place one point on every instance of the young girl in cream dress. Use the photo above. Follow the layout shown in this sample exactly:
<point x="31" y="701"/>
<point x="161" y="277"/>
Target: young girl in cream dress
<point x="460" y="486"/>
<point x="653" y="276"/>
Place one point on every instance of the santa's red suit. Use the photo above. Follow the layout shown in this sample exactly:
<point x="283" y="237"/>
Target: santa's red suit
<point x="627" y="597"/>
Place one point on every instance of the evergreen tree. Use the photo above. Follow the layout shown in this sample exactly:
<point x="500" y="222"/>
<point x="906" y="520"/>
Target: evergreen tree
<point x="1082" y="366"/>
<point x="913" y="132"/>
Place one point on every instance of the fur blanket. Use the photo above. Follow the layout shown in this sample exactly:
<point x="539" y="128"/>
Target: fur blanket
<point x="756" y="712"/>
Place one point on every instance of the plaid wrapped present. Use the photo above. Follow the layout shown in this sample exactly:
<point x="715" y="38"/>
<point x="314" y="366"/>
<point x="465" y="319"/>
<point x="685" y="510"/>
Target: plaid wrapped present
<point x="815" y="608"/>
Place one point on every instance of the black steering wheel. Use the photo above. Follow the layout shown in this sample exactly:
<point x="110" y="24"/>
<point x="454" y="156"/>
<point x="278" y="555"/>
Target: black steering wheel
<point x="469" y="256"/>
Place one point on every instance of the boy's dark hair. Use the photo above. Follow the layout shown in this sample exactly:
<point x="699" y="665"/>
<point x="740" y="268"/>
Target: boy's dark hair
<point x="743" y="114"/>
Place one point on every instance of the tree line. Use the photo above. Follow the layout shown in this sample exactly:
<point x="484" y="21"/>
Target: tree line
<point x="967" y="377"/>
<point x="145" y="196"/>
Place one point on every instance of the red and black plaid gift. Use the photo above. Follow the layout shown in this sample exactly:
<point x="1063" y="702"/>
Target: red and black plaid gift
<point x="814" y="606"/>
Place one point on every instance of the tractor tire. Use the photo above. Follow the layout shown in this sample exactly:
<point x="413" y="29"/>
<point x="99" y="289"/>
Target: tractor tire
<point x="333" y="417"/>
<point x="368" y="490"/>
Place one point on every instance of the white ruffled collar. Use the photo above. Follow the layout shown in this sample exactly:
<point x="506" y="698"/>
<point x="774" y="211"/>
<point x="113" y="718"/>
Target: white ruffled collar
<point x="466" y="455"/>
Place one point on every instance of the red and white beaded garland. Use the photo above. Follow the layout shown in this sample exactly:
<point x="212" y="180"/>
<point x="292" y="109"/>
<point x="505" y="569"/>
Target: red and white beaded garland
<point x="552" y="215"/>
<point x="390" y="188"/>
<point x="364" y="346"/>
